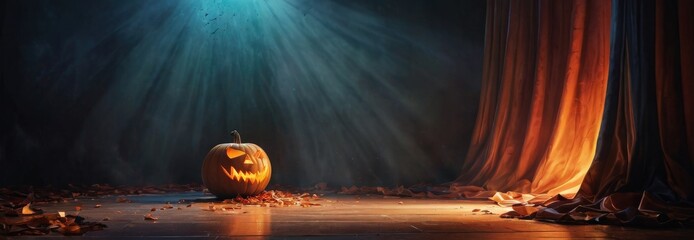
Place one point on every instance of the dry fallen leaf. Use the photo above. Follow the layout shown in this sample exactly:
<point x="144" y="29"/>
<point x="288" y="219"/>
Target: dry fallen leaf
<point x="150" y="217"/>
<point x="26" y="210"/>
<point x="400" y="202"/>
<point x="153" y="209"/>
<point x="476" y="210"/>
<point x="97" y="206"/>
<point x="71" y="229"/>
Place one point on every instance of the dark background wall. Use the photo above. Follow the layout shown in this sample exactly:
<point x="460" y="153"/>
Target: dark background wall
<point x="136" y="92"/>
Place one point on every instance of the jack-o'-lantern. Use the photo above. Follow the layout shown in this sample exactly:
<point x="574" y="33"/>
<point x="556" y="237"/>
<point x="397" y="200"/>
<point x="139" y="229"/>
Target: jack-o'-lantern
<point x="233" y="169"/>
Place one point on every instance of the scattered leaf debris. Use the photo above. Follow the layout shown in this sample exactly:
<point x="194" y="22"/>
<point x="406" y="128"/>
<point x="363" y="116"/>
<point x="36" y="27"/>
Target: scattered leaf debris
<point x="45" y="223"/>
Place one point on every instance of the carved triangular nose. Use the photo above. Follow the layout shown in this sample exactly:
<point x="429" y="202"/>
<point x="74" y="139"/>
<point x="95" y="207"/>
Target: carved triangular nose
<point x="248" y="160"/>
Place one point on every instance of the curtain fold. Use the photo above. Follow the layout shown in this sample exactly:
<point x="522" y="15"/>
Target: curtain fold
<point x="643" y="171"/>
<point x="545" y="72"/>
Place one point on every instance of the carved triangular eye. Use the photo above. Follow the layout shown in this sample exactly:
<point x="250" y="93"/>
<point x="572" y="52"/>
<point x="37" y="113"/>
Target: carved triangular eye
<point x="233" y="153"/>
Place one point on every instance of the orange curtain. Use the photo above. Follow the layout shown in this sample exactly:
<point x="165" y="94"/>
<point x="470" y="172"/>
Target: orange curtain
<point x="544" y="83"/>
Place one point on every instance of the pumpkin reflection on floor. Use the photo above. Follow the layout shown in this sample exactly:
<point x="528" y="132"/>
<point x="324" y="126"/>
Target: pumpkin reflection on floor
<point x="244" y="223"/>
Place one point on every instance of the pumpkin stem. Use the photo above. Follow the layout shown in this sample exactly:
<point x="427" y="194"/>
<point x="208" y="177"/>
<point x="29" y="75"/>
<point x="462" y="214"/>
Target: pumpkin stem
<point x="237" y="136"/>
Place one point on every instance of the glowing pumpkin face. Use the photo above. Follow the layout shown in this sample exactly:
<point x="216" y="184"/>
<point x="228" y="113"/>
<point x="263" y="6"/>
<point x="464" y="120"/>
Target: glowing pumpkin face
<point x="233" y="169"/>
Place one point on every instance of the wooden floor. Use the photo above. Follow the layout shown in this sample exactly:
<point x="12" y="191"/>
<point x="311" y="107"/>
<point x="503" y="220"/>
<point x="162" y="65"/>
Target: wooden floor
<point x="338" y="217"/>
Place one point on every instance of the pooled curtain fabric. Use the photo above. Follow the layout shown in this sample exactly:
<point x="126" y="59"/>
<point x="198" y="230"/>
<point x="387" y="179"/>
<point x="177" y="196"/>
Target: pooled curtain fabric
<point x="643" y="171"/>
<point x="542" y="97"/>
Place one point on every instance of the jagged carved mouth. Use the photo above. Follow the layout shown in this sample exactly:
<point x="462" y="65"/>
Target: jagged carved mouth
<point x="250" y="177"/>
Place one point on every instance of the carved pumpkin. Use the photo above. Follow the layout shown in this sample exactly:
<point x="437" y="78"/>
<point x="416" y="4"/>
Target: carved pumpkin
<point x="232" y="169"/>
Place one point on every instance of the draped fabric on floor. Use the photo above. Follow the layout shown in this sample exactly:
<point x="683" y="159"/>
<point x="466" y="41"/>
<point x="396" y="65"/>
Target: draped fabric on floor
<point x="559" y="110"/>
<point x="545" y="75"/>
